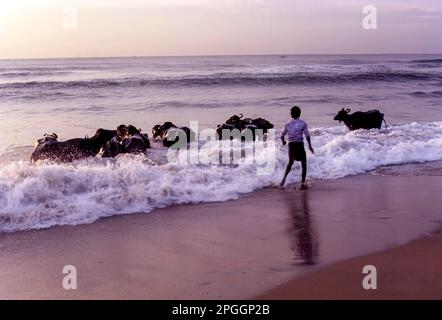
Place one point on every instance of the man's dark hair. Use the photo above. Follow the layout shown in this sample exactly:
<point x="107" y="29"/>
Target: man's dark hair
<point x="295" y="112"/>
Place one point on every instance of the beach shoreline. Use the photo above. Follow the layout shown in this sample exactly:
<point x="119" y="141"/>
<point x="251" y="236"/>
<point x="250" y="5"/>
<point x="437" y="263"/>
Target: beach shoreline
<point x="237" y="249"/>
<point x="408" y="272"/>
<point x="144" y="153"/>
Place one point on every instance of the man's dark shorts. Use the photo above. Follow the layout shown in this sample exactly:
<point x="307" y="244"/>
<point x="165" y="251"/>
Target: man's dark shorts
<point x="297" y="151"/>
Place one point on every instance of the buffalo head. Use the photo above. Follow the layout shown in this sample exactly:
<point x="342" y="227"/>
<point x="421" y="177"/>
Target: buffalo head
<point x="131" y="130"/>
<point x="155" y="130"/>
<point x="342" y="115"/>
<point x="160" y="130"/>
<point x="235" y="119"/>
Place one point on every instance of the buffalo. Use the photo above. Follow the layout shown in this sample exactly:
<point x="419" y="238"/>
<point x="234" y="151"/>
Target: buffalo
<point x="360" y="120"/>
<point x="170" y="134"/>
<point x="128" y="139"/>
<point x="243" y="127"/>
<point x="73" y="149"/>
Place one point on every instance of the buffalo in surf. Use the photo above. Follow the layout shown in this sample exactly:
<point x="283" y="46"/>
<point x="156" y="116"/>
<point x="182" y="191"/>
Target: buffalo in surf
<point x="360" y="120"/>
<point x="237" y="125"/>
<point x="128" y="139"/>
<point x="170" y="134"/>
<point x="49" y="148"/>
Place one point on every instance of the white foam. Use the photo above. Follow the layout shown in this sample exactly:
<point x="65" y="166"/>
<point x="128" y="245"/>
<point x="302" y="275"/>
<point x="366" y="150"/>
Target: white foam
<point x="44" y="195"/>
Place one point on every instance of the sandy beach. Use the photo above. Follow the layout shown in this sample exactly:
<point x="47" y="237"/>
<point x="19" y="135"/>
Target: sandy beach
<point x="144" y="144"/>
<point x="412" y="271"/>
<point x="243" y="248"/>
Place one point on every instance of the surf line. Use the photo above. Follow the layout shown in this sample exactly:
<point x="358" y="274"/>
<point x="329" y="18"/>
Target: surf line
<point x="184" y="310"/>
<point x="235" y="148"/>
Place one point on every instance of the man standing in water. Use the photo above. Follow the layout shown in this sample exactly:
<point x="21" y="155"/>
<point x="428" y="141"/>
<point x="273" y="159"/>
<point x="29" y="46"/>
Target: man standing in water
<point x="296" y="129"/>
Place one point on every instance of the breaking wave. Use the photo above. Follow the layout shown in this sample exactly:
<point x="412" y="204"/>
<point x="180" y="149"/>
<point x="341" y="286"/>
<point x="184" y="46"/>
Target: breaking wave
<point x="228" y="79"/>
<point x="427" y="61"/>
<point x="47" y="194"/>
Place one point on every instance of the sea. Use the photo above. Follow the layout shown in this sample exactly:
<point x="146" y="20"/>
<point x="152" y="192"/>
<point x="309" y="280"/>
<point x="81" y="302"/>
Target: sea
<point x="74" y="97"/>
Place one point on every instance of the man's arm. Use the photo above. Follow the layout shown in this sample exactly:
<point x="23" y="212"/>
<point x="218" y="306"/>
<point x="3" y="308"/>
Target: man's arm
<point x="307" y="137"/>
<point x="284" y="132"/>
<point x="310" y="144"/>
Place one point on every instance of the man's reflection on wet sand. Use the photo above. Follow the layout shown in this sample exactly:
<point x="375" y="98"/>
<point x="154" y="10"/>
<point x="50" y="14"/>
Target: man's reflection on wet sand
<point x="305" y="242"/>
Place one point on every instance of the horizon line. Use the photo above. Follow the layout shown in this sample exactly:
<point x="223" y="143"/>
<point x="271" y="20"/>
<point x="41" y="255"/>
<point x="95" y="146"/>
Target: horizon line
<point x="218" y="55"/>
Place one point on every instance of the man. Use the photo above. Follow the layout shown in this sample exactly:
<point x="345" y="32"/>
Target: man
<point x="296" y="129"/>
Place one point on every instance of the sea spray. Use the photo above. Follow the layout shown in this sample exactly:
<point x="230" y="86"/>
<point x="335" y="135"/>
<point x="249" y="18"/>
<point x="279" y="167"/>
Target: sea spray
<point x="49" y="194"/>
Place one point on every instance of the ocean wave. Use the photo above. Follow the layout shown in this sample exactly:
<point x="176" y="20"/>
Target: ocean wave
<point x="422" y="94"/>
<point x="427" y="61"/>
<point x="47" y="194"/>
<point x="33" y="73"/>
<point x="229" y="79"/>
<point x="47" y="69"/>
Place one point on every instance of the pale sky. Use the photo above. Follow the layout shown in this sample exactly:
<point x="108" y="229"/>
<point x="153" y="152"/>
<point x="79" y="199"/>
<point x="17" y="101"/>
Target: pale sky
<point x="80" y="28"/>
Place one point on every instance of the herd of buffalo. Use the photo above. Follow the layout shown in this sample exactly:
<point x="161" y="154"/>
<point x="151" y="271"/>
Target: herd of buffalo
<point x="129" y="139"/>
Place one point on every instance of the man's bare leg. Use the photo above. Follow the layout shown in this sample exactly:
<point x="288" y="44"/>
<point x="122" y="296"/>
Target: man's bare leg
<point x="287" y="171"/>
<point x="304" y="174"/>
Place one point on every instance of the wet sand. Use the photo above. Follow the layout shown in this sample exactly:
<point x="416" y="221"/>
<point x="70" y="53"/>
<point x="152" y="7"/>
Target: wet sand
<point x="412" y="271"/>
<point x="231" y="250"/>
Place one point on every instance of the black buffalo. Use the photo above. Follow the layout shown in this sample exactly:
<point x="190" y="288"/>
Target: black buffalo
<point x="236" y="125"/>
<point x="73" y="149"/>
<point x="128" y="139"/>
<point x="360" y="120"/>
<point x="170" y="134"/>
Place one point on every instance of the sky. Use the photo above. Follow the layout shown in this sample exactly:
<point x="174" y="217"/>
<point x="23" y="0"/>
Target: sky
<point x="98" y="28"/>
